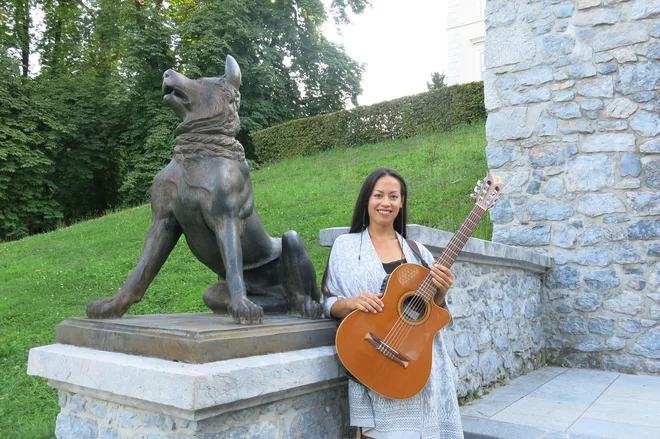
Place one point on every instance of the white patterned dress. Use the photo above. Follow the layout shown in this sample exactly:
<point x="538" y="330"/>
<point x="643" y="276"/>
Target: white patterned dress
<point x="354" y="268"/>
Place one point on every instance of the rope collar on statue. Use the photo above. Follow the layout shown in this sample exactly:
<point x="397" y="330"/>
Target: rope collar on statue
<point x="208" y="138"/>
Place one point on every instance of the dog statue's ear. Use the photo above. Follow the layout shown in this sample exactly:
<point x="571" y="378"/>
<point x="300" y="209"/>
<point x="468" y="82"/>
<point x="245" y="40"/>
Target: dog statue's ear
<point x="232" y="72"/>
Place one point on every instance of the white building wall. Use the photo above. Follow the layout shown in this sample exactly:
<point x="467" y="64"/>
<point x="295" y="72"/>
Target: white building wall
<point x="466" y="35"/>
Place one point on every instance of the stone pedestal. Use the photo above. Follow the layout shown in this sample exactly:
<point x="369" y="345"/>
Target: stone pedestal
<point x="263" y="394"/>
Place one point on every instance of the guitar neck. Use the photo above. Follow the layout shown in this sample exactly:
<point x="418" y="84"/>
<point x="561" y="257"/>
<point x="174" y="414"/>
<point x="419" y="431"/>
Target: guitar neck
<point x="457" y="242"/>
<point x="453" y="248"/>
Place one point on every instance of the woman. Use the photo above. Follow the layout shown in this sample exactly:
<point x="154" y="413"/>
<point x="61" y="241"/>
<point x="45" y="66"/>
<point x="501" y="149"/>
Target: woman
<point x="358" y="263"/>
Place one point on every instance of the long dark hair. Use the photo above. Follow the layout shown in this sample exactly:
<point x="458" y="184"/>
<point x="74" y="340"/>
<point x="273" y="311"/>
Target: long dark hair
<point x="360" y="215"/>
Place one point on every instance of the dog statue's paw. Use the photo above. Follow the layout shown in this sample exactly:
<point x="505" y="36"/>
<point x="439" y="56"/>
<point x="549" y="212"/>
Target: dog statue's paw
<point x="107" y="307"/>
<point x="312" y="310"/>
<point x="245" y="312"/>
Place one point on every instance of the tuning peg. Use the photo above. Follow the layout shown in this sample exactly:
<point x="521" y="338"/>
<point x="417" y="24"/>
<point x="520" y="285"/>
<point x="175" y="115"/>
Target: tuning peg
<point x="476" y="189"/>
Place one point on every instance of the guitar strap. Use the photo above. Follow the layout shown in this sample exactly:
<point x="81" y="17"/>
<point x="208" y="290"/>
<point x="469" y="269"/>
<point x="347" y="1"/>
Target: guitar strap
<point x="415" y="249"/>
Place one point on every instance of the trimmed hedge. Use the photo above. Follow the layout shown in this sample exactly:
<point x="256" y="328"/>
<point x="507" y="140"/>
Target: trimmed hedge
<point x="404" y="117"/>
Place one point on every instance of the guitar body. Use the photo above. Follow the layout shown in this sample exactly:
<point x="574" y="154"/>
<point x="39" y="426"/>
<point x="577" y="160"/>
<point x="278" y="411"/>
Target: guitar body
<point x="391" y="352"/>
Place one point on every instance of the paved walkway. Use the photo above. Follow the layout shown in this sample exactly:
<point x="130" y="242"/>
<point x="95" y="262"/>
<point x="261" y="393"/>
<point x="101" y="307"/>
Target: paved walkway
<point x="554" y="402"/>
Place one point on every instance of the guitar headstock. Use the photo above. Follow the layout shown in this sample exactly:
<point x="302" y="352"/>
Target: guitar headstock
<point x="487" y="191"/>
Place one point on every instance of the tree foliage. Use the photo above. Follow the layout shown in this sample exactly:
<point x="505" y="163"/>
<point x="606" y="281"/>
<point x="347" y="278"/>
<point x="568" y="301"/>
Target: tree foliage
<point x="437" y="81"/>
<point x="27" y="202"/>
<point x="83" y="128"/>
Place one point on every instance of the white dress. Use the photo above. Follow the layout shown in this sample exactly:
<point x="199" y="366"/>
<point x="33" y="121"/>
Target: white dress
<point x="354" y="268"/>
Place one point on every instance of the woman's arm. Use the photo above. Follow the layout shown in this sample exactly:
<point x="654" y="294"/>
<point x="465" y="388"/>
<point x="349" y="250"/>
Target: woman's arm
<point x="365" y="302"/>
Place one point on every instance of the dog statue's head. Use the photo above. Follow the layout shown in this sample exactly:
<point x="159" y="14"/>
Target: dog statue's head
<point x="205" y="98"/>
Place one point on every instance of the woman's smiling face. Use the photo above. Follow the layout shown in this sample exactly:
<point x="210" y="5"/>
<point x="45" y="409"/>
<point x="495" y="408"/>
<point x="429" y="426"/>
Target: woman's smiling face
<point x="385" y="201"/>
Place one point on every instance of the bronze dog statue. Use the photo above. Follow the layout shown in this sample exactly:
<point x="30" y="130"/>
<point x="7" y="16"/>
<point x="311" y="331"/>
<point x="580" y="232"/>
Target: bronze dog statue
<point x="205" y="193"/>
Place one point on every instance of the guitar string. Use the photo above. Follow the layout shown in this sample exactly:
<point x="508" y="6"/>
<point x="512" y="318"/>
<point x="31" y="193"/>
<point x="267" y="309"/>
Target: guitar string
<point x="426" y="285"/>
<point x="401" y="329"/>
<point x="446" y="258"/>
<point x="389" y="351"/>
<point x="416" y="299"/>
<point x="395" y="339"/>
<point x="451" y="253"/>
<point x="423" y="294"/>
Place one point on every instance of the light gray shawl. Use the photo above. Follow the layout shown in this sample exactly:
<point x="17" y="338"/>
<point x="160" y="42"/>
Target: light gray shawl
<point x="354" y="268"/>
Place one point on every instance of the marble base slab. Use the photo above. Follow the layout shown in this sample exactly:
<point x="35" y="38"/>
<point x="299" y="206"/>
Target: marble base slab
<point x="189" y="391"/>
<point x="106" y="395"/>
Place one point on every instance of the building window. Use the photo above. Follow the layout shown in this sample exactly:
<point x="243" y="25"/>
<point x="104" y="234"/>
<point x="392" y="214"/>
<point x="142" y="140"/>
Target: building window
<point x="481" y="64"/>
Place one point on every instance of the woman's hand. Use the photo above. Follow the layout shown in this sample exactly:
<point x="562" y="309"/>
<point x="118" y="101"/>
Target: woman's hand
<point x="367" y="302"/>
<point x="443" y="279"/>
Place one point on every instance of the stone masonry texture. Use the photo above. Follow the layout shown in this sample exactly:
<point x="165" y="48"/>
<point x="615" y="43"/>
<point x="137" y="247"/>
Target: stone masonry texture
<point x="573" y="94"/>
<point x="321" y="414"/>
<point x="497" y="331"/>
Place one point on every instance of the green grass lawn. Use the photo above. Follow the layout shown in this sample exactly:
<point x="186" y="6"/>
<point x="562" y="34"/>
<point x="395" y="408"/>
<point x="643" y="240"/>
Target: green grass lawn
<point x="47" y="278"/>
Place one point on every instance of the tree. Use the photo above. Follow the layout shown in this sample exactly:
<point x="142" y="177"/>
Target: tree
<point x="339" y="9"/>
<point x="437" y="81"/>
<point x="26" y="188"/>
<point x="88" y="131"/>
<point x="289" y="68"/>
<point x="81" y="82"/>
<point x="148" y="140"/>
<point x="65" y="31"/>
<point x="15" y="40"/>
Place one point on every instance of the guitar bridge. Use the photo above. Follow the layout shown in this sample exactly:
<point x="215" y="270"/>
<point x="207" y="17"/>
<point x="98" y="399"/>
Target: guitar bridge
<point x="387" y="350"/>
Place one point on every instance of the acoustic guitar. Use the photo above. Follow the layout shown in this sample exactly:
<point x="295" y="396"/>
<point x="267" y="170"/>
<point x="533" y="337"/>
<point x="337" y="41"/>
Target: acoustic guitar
<point x="390" y="352"/>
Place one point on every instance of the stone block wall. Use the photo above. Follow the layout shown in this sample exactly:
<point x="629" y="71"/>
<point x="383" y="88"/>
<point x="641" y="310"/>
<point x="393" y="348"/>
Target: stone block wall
<point x="318" y="415"/>
<point x="497" y="331"/>
<point x="572" y="90"/>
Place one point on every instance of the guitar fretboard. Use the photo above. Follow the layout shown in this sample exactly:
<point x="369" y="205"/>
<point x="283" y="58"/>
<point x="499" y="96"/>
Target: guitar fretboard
<point x="427" y="289"/>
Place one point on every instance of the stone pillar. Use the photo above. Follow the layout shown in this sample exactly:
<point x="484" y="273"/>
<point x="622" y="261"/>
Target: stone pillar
<point x="573" y="129"/>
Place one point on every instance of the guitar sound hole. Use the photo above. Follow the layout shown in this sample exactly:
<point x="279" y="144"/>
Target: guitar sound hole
<point x="414" y="308"/>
